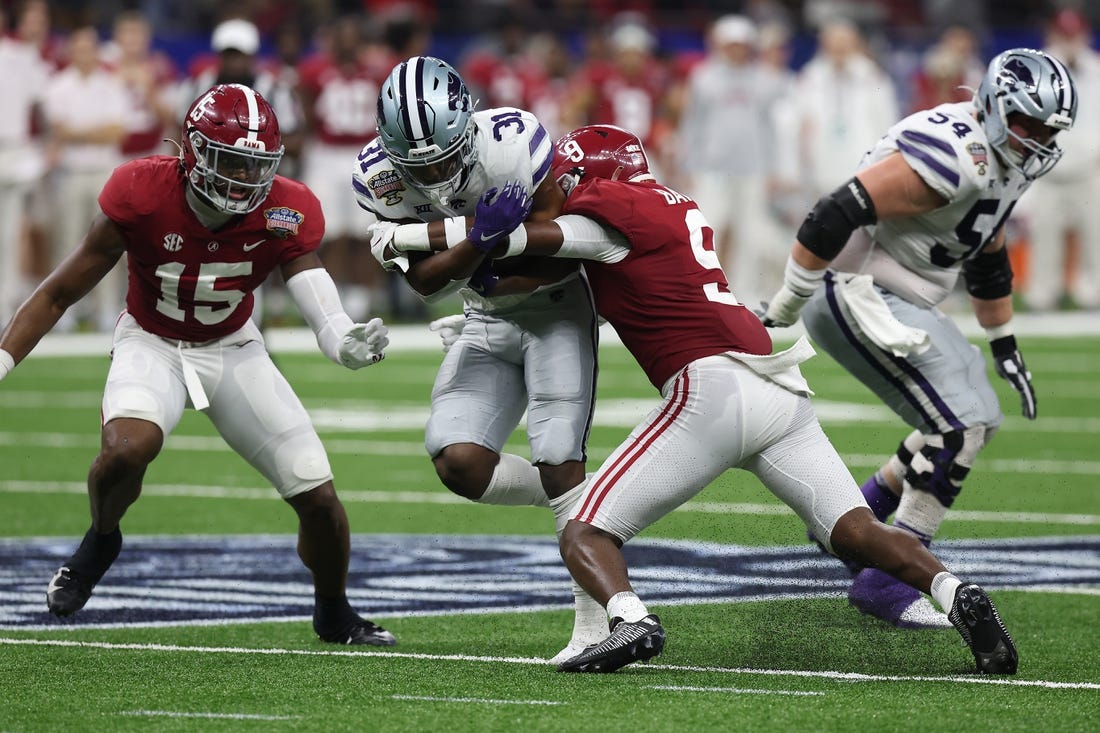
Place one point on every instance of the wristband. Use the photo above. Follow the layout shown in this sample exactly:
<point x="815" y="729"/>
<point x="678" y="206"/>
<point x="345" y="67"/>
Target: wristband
<point x="995" y="332"/>
<point x="455" y="229"/>
<point x="801" y="280"/>
<point x="517" y="242"/>
<point x="7" y="363"/>
<point x="412" y="238"/>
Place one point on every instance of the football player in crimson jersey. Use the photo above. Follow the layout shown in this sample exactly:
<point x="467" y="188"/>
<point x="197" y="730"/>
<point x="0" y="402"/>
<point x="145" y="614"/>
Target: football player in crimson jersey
<point x="201" y="232"/>
<point x="728" y="402"/>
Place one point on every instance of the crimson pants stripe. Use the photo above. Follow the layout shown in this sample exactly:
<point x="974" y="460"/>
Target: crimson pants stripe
<point x="628" y="457"/>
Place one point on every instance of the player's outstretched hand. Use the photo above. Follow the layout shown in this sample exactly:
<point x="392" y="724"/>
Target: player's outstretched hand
<point x="449" y="329"/>
<point x="1010" y="366"/>
<point x="364" y="344"/>
<point x="498" y="214"/>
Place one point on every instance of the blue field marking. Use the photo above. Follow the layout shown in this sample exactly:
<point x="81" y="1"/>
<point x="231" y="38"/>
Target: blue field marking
<point x="168" y="580"/>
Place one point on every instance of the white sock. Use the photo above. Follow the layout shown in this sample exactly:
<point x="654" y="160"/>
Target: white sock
<point x="943" y="590"/>
<point x="515" y="482"/>
<point x="627" y="606"/>
<point x="589" y="619"/>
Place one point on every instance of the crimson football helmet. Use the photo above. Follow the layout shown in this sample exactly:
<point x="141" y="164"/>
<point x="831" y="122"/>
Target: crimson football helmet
<point x="600" y="151"/>
<point x="231" y="147"/>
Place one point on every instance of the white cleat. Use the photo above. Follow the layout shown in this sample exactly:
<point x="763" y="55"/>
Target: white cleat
<point x="575" y="647"/>
<point x="923" y="614"/>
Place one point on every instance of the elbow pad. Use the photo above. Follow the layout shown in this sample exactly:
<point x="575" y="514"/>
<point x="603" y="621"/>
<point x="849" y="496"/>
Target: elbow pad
<point x="835" y="216"/>
<point x="989" y="275"/>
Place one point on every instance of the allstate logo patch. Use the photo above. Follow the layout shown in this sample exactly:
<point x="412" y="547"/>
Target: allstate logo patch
<point x="283" y="221"/>
<point x="204" y="580"/>
<point x="386" y="185"/>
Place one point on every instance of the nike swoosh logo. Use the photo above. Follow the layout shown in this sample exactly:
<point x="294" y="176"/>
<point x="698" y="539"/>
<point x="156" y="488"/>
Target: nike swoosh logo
<point x="53" y="581"/>
<point x="254" y="245"/>
<point x="491" y="235"/>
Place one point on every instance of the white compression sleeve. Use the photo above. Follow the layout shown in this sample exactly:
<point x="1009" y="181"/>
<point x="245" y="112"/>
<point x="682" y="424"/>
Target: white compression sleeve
<point x="586" y="239"/>
<point x="7" y="363"/>
<point x="315" y="294"/>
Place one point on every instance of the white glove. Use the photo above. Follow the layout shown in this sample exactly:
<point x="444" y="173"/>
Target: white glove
<point x="784" y="308"/>
<point x="364" y="344"/>
<point x="449" y="329"/>
<point x="381" y="236"/>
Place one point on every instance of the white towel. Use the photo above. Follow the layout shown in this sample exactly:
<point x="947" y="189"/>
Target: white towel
<point x="781" y="367"/>
<point x="875" y="319"/>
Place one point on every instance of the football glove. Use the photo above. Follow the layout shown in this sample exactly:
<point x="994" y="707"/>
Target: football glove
<point x="449" y="329"/>
<point x="364" y="344"/>
<point x="484" y="280"/>
<point x="783" y="309"/>
<point x="1010" y="366"/>
<point x="497" y="214"/>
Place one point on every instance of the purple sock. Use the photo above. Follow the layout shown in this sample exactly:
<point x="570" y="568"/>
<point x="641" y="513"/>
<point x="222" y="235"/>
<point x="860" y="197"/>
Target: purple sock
<point x="882" y="501"/>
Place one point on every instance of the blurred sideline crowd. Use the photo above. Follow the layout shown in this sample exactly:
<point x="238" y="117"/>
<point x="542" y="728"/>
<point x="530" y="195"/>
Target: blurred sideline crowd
<point x="754" y="109"/>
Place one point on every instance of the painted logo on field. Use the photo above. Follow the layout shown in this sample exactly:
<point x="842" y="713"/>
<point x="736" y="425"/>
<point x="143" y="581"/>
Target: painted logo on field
<point x="204" y="580"/>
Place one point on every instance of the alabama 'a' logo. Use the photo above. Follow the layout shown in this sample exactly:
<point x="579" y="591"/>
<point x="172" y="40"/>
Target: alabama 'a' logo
<point x="173" y="242"/>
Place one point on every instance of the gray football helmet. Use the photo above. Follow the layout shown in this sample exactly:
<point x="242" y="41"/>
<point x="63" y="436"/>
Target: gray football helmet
<point x="425" y="126"/>
<point x="1031" y="83"/>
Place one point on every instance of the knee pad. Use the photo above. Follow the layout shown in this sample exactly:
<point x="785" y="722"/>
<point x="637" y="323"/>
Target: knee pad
<point x="944" y="461"/>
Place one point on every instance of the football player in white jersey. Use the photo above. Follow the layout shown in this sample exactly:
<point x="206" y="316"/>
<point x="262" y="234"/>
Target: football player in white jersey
<point x="436" y="159"/>
<point x="928" y="203"/>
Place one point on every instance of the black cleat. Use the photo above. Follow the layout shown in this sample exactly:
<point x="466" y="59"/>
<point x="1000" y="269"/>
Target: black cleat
<point x="67" y="592"/>
<point x="361" y="632"/>
<point x="629" y="642"/>
<point x="977" y="621"/>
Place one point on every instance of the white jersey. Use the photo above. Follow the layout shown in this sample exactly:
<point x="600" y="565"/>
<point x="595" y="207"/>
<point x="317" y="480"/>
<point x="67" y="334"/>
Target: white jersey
<point x="511" y="145"/>
<point x="919" y="257"/>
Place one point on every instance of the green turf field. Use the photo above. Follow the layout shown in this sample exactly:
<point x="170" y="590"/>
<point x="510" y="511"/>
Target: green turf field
<point x="740" y="663"/>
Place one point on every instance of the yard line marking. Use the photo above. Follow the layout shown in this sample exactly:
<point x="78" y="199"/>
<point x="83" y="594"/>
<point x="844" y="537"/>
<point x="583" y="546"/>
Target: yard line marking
<point x="428" y="698"/>
<point x="220" y="716"/>
<point x="445" y="497"/>
<point x="734" y="690"/>
<point x="823" y="674"/>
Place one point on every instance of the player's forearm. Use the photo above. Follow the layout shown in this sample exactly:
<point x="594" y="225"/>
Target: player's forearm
<point x="992" y="313"/>
<point x="31" y="322"/>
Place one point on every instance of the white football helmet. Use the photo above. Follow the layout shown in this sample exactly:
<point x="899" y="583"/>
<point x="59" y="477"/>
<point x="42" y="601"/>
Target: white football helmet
<point x="1031" y="83"/>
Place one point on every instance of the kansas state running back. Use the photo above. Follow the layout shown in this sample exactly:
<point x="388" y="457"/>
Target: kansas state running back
<point x="434" y="160"/>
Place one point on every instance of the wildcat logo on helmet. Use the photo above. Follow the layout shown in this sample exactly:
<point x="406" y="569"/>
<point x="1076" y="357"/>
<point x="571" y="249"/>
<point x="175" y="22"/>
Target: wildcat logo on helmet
<point x="1018" y="69"/>
<point x="387" y="185"/>
<point x="283" y="221"/>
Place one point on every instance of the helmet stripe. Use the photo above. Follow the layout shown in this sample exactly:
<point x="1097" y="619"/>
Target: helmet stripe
<point x="1065" y="100"/>
<point x="253" y="114"/>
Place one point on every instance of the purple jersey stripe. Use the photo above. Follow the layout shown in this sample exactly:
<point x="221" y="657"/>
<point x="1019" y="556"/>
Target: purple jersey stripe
<point x="925" y="157"/>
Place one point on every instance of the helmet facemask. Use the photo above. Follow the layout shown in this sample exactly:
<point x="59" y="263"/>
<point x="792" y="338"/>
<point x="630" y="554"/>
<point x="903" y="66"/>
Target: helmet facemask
<point x="233" y="178"/>
<point x="439" y="174"/>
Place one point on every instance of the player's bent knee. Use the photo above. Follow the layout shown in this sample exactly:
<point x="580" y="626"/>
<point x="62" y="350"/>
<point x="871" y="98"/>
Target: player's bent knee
<point x="944" y="462"/>
<point x="300" y="465"/>
<point x="465" y="469"/>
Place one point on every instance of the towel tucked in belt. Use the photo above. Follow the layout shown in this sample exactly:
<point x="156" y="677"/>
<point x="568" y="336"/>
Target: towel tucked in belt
<point x="875" y="319"/>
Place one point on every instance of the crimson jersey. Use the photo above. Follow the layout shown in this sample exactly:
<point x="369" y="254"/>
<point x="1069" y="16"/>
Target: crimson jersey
<point x="344" y="99"/>
<point x="668" y="299"/>
<point x="187" y="282"/>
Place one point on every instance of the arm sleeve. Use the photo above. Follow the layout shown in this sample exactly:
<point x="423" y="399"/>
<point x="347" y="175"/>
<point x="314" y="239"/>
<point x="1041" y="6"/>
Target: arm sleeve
<point x="586" y="239"/>
<point x="315" y="294"/>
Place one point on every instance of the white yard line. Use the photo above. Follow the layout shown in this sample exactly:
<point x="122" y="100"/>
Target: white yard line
<point x="480" y="700"/>
<point x="731" y="690"/>
<point x="822" y="674"/>
<point x="444" y="497"/>
<point x="218" y="716"/>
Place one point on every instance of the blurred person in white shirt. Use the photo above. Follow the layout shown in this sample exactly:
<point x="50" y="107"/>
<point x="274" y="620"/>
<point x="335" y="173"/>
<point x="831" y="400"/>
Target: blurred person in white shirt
<point x="844" y="101"/>
<point x="21" y="166"/>
<point x="1063" y="203"/>
<point x="726" y="152"/>
<point x="85" y="110"/>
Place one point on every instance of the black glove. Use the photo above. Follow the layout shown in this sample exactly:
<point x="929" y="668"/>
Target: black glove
<point x="1010" y="366"/>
